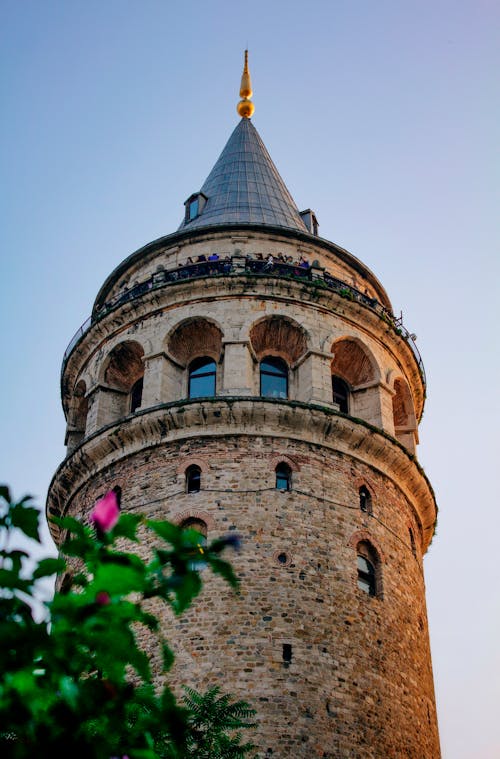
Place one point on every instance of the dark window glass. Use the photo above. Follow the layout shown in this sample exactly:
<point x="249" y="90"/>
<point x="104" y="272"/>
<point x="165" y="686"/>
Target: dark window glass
<point x="193" y="209"/>
<point x="136" y="395"/>
<point x="366" y="576"/>
<point x="365" y="500"/>
<point x="202" y="372"/>
<point x="287" y="652"/>
<point x="273" y="378"/>
<point x="340" y="394"/>
<point x="283" y="477"/>
<point x="193" y="479"/>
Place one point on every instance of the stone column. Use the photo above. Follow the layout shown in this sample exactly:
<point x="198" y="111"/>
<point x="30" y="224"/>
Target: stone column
<point x="373" y="403"/>
<point x="314" y="379"/>
<point x="153" y="374"/>
<point x="237" y="378"/>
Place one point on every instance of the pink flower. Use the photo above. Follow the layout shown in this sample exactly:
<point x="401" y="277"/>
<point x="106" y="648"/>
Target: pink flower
<point x="106" y="512"/>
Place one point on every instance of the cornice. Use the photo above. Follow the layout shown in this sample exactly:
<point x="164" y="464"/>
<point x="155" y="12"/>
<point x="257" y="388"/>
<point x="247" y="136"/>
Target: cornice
<point x="223" y="417"/>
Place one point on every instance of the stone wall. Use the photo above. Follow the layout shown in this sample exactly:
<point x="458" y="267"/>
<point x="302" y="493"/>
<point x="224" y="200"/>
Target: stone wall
<point x="359" y="683"/>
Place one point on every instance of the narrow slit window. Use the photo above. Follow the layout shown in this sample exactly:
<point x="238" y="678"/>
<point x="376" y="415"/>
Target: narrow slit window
<point x="368" y="566"/>
<point x="287" y="653"/>
<point x="365" y="500"/>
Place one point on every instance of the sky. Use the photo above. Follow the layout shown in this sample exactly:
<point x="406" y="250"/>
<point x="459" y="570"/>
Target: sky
<point x="381" y="117"/>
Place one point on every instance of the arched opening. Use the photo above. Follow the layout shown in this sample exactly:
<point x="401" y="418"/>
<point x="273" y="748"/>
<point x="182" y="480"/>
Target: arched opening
<point x="193" y="479"/>
<point x="273" y="377"/>
<point x="283" y="477"/>
<point x="278" y="335"/>
<point x="365" y="500"/>
<point x="202" y="377"/>
<point x="123" y="376"/>
<point x="405" y="424"/>
<point x="340" y="391"/>
<point x="368" y="566"/>
<point x="200" y="527"/>
<point x="352" y="362"/>
<point x="195" y="337"/>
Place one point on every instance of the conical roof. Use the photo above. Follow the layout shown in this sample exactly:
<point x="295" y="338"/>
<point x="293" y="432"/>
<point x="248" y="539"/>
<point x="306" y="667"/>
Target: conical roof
<point x="245" y="186"/>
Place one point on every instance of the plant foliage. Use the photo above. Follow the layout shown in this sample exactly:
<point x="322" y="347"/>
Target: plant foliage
<point x="77" y="682"/>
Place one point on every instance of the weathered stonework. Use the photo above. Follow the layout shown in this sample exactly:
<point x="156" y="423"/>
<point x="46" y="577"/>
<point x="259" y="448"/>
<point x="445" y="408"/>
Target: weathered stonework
<point x="357" y="680"/>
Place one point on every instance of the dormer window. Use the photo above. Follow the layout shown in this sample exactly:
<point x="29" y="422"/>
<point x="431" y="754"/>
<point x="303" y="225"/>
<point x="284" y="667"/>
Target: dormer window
<point x="310" y="220"/>
<point x="194" y="206"/>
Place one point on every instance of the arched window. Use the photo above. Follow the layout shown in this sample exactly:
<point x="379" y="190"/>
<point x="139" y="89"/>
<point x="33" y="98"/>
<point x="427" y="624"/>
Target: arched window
<point x="202" y="374"/>
<point x="340" y="392"/>
<point x="192" y="523"/>
<point x="273" y="377"/>
<point x="365" y="500"/>
<point x="136" y="395"/>
<point x="193" y="479"/>
<point x="368" y="569"/>
<point x="283" y="477"/>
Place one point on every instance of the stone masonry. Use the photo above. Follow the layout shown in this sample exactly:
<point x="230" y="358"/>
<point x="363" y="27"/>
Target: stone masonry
<point x="332" y="669"/>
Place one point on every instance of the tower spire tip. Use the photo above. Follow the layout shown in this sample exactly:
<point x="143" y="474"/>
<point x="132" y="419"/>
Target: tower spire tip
<point x="245" y="107"/>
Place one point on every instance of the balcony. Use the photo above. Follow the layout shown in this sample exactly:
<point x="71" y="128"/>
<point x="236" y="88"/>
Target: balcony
<point x="238" y="265"/>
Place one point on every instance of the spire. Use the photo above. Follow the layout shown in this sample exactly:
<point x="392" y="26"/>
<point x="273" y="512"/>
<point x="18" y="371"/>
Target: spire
<point x="245" y="107"/>
<point x="244" y="187"/>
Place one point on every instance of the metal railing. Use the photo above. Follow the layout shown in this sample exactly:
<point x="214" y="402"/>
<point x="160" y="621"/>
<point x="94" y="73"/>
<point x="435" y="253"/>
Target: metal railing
<point x="318" y="276"/>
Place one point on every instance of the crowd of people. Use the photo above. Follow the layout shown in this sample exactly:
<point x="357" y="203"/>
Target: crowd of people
<point x="267" y="263"/>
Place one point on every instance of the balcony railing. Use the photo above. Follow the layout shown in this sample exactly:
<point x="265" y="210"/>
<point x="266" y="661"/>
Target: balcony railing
<point x="239" y="265"/>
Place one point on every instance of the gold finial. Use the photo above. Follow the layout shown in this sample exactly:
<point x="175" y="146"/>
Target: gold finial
<point x="245" y="107"/>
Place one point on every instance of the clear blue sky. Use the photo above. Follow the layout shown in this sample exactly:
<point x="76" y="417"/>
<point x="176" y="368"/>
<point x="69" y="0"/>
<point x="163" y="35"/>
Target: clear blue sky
<point x="383" y="118"/>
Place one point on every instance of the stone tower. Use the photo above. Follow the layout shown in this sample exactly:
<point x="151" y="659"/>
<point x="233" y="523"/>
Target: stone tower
<point x="245" y="374"/>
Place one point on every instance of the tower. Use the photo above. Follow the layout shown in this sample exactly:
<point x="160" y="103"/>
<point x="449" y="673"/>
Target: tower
<point x="242" y="373"/>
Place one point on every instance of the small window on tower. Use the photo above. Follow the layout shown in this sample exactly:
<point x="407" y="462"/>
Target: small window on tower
<point x="193" y="479"/>
<point x="283" y="477"/>
<point x="365" y="500"/>
<point x="194" y="206"/>
<point x="273" y="377"/>
<point x="368" y="564"/>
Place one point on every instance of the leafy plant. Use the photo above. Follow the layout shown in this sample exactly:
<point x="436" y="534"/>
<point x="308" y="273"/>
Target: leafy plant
<point x="78" y="681"/>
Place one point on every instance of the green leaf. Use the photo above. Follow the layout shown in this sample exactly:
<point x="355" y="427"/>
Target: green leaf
<point x="126" y="527"/>
<point x="10" y="579"/>
<point x="166" y="530"/>
<point x="5" y="493"/>
<point x="71" y="524"/>
<point x="47" y="567"/>
<point x="25" y="518"/>
<point x="117" y="579"/>
<point x="168" y="656"/>
<point x="187" y="589"/>
<point x="224" y="569"/>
